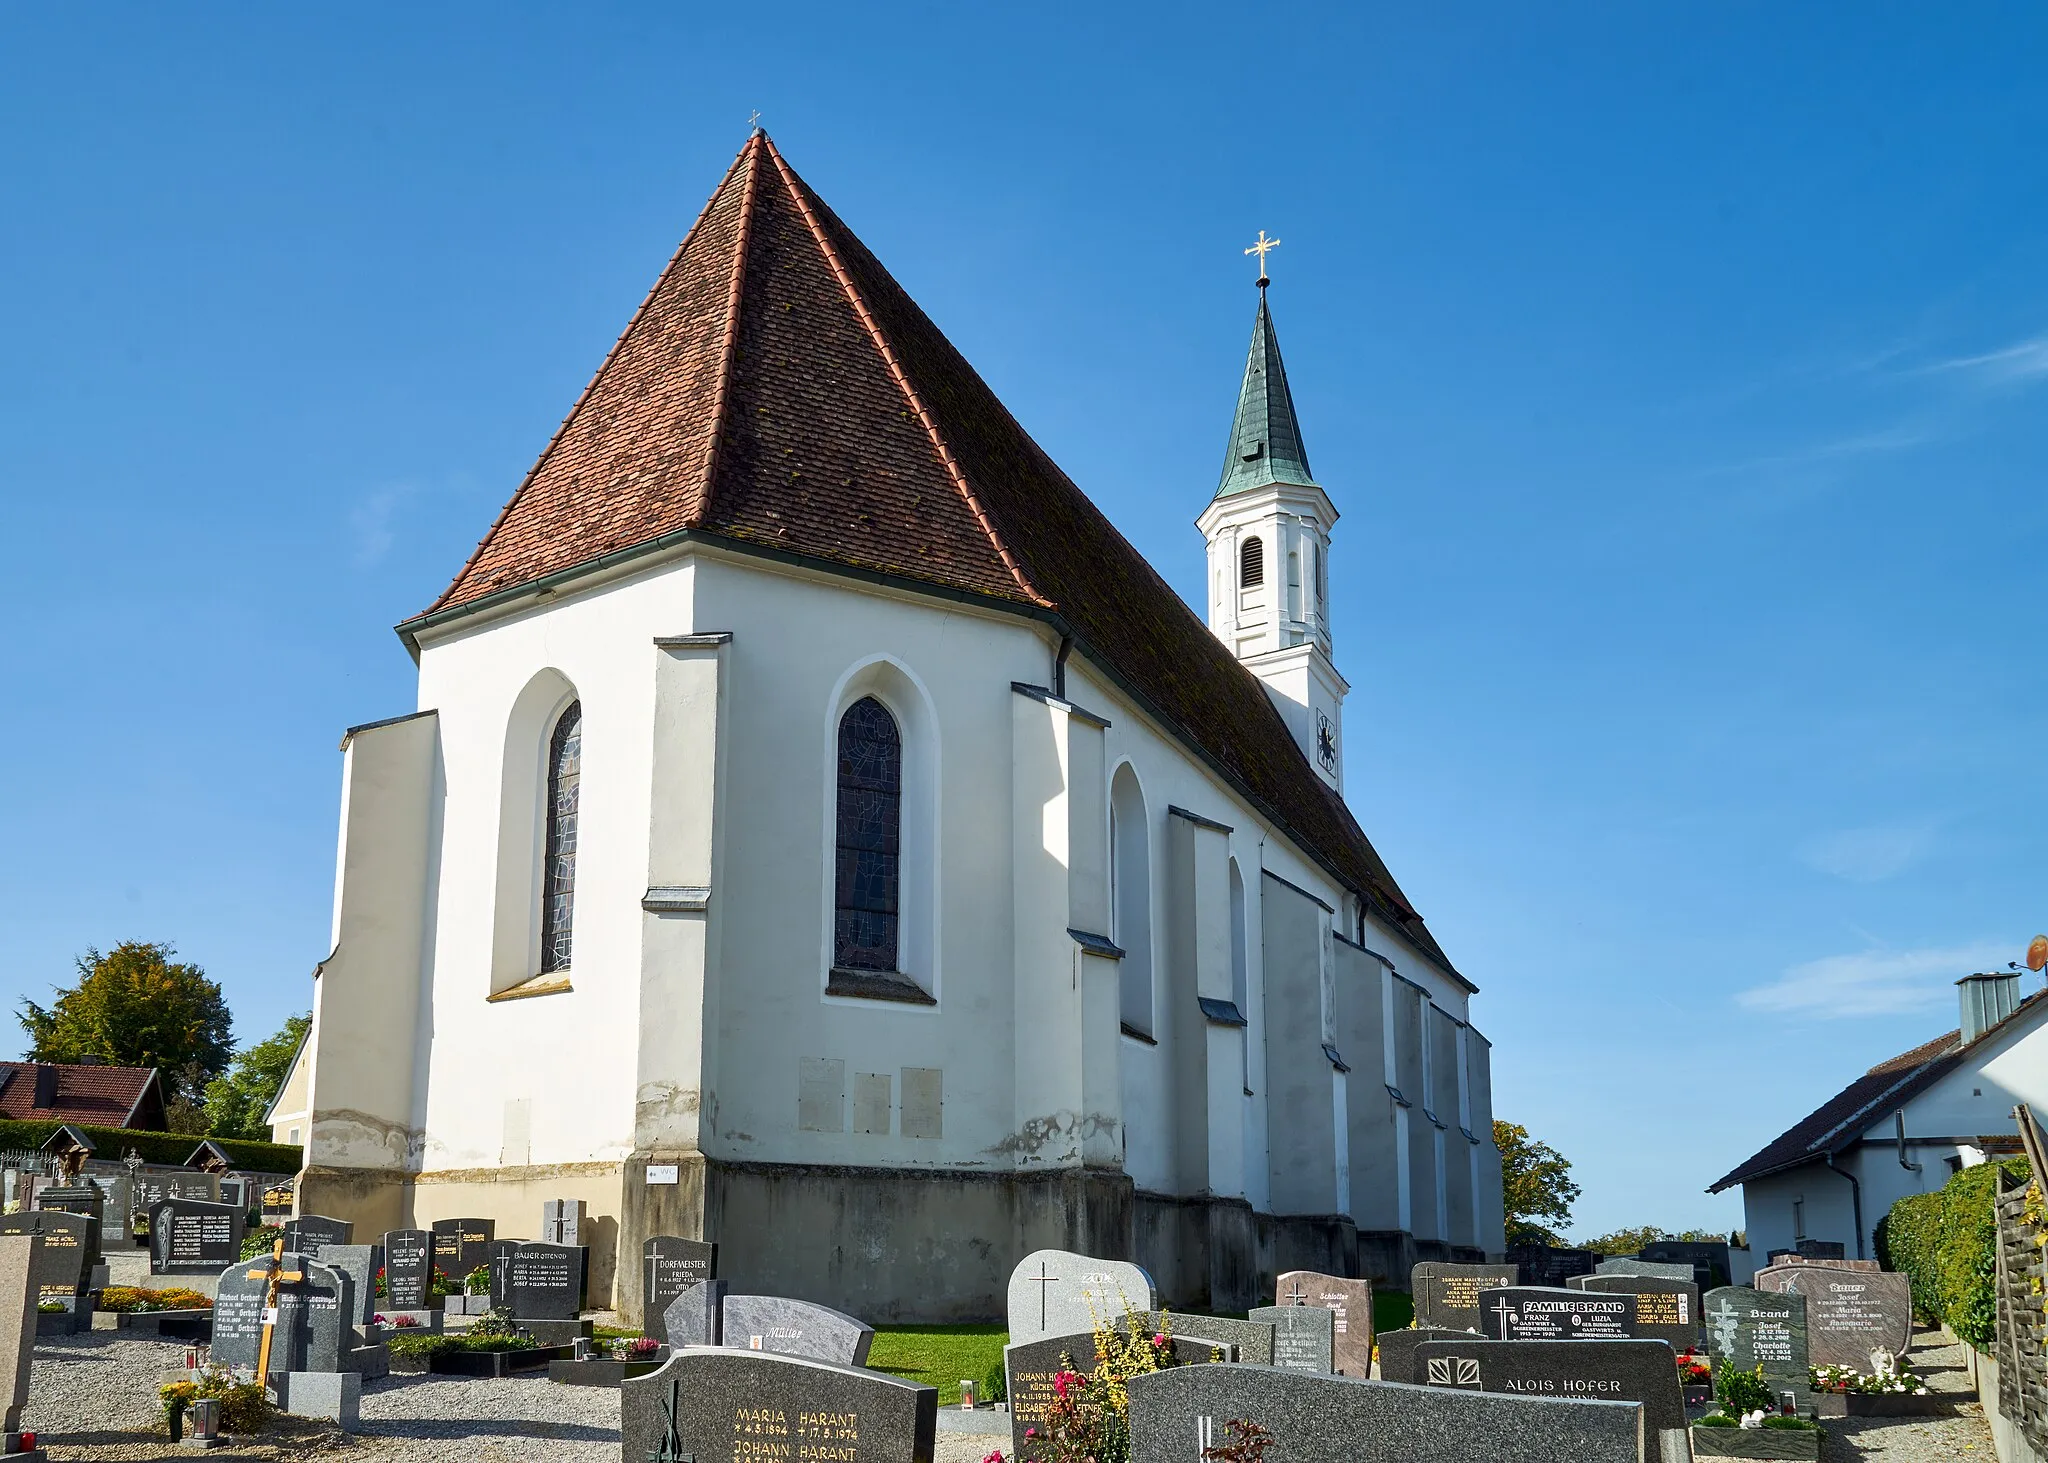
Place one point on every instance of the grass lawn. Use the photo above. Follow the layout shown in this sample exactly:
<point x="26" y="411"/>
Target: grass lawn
<point x="1392" y="1310"/>
<point x="939" y="1356"/>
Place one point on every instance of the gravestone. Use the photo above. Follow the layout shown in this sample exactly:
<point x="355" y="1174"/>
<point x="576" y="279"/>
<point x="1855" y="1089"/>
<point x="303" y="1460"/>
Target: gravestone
<point x="717" y="1405"/>
<point x="795" y="1328"/>
<point x="1349" y="1300"/>
<point x="1057" y="1293"/>
<point x="85" y="1199"/>
<point x="408" y="1269"/>
<point x="17" y="1338"/>
<point x="668" y="1266"/>
<point x="1711" y="1262"/>
<point x="1850" y="1313"/>
<point x="1533" y="1313"/>
<point x="1249" y="1341"/>
<point x="1029" y="1368"/>
<point x="1793" y="1257"/>
<point x="1750" y="1328"/>
<point x="1663" y="1270"/>
<point x="1644" y="1372"/>
<point x="312" y="1333"/>
<point x="697" y="1316"/>
<point x="191" y="1236"/>
<point x="459" y="1244"/>
<point x="1545" y="1266"/>
<point x="57" y="1264"/>
<point x="1398" y="1348"/>
<point x="1304" y="1337"/>
<point x="562" y="1220"/>
<point x="1666" y="1310"/>
<point x="238" y="1312"/>
<point x="310" y="1231"/>
<point x="361" y="1263"/>
<point x="1176" y="1414"/>
<point x="543" y="1282"/>
<point x="1819" y="1249"/>
<point x="1448" y="1295"/>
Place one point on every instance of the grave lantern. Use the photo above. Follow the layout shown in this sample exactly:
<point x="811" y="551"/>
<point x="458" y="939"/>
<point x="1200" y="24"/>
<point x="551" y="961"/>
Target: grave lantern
<point x="205" y="1419"/>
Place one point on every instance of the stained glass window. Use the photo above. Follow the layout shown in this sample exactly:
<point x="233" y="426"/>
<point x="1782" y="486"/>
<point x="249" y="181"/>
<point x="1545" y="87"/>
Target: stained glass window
<point x="1252" y="564"/>
<point x="558" y="873"/>
<point x="869" y="840"/>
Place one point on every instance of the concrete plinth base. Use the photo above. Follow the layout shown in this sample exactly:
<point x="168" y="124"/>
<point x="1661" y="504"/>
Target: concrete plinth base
<point x="332" y="1396"/>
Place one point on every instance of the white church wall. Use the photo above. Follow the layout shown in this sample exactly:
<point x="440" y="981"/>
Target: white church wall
<point x="1302" y="1150"/>
<point x="1375" y="1196"/>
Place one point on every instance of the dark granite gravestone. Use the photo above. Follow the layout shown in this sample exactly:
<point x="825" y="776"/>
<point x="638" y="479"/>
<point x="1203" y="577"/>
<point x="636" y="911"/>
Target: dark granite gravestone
<point x="1851" y="1313"/>
<point x="1398" y="1348"/>
<point x="87" y="1200"/>
<point x="795" y="1328"/>
<point x="1545" y="1266"/>
<point x="543" y="1282"/>
<point x="459" y="1244"/>
<point x="1029" y="1368"/>
<point x="1644" y="1372"/>
<point x="669" y="1265"/>
<point x="1448" y="1295"/>
<point x="1819" y="1249"/>
<point x="310" y="1231"/>
<point x="1349" y="1300"/>
<point x="188" y="1236"/>
<point x="717" y="1405"/>
<point x="361" y="1263"/>
<point x="1750" y="1328"/>
<point x="1666" y="1310"/>
<point x="1057" y="1293"/>
<point x="1710" y="1260"/>
<point x="1249" y="1340"/>
<point x="1533" y="1313"/>
<point x="312" y="1332"/>
<point x="1623" y="1265"/>
<point x="1304" y="1337"/>
<point x="697" y="1316"/>
<point x="57" y="1268"/>
<point x="238" y="1312"/>
<point x="1176" y="1414"/>
<point x="408" y="1269"/>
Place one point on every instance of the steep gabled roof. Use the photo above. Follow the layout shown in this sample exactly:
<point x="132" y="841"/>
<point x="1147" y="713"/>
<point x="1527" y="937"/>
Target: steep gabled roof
<point x="89" y="1094"/>
<point x="1844" y="1118"/>
<point x="777" y="390"/>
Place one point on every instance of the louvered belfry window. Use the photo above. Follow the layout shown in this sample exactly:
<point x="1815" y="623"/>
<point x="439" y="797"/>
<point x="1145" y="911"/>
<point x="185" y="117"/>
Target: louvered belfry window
<point x="558" y="873"/>
<point x="869" y="853"/>
<point x="1251" y="564"/>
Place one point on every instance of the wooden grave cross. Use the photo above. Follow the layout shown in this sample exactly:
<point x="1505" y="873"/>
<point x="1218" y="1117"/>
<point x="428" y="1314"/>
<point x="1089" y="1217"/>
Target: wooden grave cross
<point x="278" y="1276"/>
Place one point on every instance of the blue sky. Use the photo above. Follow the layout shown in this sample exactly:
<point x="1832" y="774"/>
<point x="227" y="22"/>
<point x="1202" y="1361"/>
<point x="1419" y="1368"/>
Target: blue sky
<point x="1678" y="371"/>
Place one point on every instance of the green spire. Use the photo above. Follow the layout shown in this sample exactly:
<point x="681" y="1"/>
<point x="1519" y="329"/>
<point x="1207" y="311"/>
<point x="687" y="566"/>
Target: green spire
<point x="1265" y="440"/>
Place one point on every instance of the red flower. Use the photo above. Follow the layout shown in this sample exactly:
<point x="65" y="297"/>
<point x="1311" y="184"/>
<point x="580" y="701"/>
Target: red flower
<point x="1160" y="1339"/>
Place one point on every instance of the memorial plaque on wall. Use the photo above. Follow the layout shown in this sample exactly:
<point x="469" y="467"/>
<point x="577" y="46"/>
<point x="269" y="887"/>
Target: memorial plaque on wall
<point x="1529" y="1313"/>
<point x="717" y="1405"/>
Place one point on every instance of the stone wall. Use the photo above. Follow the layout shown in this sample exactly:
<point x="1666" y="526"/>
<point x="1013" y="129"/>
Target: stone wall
<point x="2022" y="1364"/>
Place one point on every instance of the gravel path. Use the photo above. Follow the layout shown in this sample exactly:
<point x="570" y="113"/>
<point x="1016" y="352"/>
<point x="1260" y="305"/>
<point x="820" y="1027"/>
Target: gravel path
<point x="1962" y="1434"/>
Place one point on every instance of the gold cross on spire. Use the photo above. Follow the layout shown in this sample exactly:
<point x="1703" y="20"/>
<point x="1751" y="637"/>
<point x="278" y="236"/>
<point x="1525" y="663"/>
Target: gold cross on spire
<point x="1264" y="247"/>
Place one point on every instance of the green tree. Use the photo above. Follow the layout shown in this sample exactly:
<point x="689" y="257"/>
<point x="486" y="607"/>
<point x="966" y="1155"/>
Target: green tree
<point x="135" y="1006"/>
<point x="1536" y="1184"/>
<point x="1626" y="1241"/>
<point x="236" y="1102"/>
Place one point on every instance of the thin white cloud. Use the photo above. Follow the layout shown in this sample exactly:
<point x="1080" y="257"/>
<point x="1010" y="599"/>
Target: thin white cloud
<point x="2021" y="362"/>
<point x="370" y="523"/>
<point x="1868" y="855"/>
<point x="1874" y="982"/>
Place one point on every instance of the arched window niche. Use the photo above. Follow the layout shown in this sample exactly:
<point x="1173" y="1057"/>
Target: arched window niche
<point x="540" y="807"/>
<point x="1240" y="974"/>
<point x="1251" y="559"/>
<point x="881" y="839"/>
<point x="1130" y="886"/>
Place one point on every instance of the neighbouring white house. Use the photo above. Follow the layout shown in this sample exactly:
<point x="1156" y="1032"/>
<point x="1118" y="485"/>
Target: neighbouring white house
<point x="1901" y="1128"/>
<point x="822" y="833"/>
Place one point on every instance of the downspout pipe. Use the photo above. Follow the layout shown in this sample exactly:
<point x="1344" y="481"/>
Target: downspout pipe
<point x="1855" y="1201"/>
<point x="1059" y="667"/>
<point x="1899" y="1118"/>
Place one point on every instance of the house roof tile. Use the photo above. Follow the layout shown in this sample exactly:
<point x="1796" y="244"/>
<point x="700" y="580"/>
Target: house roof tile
<point x="90" y="1095"/>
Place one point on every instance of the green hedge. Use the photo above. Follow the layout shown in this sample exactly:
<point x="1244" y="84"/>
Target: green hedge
<point x="169" y="1148"/>
<point x="1946" y="1243"/>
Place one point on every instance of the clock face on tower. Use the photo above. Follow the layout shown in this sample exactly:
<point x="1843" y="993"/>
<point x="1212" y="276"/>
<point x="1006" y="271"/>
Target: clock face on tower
<point x="1326" y="743"/>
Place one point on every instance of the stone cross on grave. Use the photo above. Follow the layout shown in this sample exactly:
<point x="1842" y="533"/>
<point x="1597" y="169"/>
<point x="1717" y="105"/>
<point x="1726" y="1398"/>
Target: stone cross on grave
<point x="1503" y="1310"/>
<point x="1205" y="1436"/>
<point x="670" y="1448"/>
<point x="278" y="1276"/>
<point x="1297" y="1296"/>
<point x="1042" y="1280"/>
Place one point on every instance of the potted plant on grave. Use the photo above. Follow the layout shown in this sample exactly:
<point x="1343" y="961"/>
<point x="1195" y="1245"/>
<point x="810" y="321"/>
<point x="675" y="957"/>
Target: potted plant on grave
<point x="1891" y="1388"/>
<point x="1747" y="1424"/>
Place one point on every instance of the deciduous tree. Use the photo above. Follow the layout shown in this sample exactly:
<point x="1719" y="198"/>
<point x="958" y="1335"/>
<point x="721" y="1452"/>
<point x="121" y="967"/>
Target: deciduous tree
<point x="236" y="1102"/>
<point x="135" y="1006"/>
<point x="1536" y="1184"/>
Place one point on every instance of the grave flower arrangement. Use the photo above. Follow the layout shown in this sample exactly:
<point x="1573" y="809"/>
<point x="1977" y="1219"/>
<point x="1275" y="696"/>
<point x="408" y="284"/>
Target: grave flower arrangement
<point x="243" y="1406"/>
<point x="1889" y="1376"/>
<point x="130" y="1298"/>
<point x="477" y="1281"/>
<point x="1692" y="1372"/>
<point x="1089" y="1419"/>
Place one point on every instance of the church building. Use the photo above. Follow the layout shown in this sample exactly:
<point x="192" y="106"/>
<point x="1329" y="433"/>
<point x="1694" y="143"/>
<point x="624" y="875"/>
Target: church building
<point x="823" y="834"/>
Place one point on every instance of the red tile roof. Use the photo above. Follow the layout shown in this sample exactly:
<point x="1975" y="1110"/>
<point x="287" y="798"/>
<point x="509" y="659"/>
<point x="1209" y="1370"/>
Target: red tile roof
<point x="1871" y="1098"/>
<point x="103" y="1097"/>
<point x="777" y="390"/>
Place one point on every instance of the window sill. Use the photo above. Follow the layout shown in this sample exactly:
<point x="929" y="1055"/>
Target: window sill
<point x="1136" y="1035"/>
<point x="553" y="983"/>
<point x="877" y="985"/>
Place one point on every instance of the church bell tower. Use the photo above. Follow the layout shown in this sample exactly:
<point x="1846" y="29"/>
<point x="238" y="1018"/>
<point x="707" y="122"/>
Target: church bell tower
<point x="1268" y="529"/>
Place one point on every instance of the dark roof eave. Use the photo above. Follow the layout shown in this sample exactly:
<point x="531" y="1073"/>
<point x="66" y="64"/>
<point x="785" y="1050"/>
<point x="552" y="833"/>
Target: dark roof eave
<point x="409" y="632"/>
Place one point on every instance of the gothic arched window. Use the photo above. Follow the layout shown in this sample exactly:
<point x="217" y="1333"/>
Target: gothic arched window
<point x="1251" y="564"/>
<point x="558" y="872"/>
<point x="869" y="844"/>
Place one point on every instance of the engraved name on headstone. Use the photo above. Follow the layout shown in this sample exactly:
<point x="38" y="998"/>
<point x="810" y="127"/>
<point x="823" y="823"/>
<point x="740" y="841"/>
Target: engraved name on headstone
<point x="1349" y="1300"/>
<point x="408" y="1269"/>
<point x="1058" y="1293"/>
<point x="1304" y="1337"/>
<point x="669" y="1266"/>
<point x="1532" y="1313"/>
<point x="717" y="1405"/>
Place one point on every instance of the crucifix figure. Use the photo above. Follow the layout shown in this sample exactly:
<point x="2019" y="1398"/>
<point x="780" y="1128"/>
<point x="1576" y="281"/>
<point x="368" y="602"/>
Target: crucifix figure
<point x="276" y="1276"/>
<point x="1296" y="1296"/>
<point x="1502" y="1309"/>
<point x="1264" y="247"/>
<point x="1041" y="1280"/>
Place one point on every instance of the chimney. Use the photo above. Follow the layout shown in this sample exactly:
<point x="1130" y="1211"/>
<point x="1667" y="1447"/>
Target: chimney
<point x="1988" y="998"/>
<point x="46" y="1085"/>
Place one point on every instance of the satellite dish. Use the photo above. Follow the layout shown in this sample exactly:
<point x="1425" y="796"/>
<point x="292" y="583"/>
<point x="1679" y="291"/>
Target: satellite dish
<point x="2037" y="953"/>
